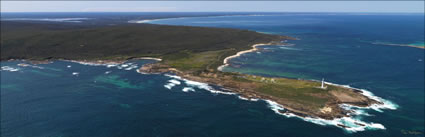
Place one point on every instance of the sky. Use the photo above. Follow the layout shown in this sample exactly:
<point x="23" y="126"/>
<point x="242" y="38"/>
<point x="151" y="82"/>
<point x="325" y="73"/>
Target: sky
<point x="213" y="6"/>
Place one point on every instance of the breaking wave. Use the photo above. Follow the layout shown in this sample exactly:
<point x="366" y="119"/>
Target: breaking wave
<point x="350" y="124"/>
<point x="10" y="69"/>
<point x="124" y="66"/>
<point x="247" y="99"/>
<point x="386" y="104"/>
<point x="75" y="73"/>
<point x="199" y="85"/>
<point x="171" y="83"/>
<point x="187" y="89"/>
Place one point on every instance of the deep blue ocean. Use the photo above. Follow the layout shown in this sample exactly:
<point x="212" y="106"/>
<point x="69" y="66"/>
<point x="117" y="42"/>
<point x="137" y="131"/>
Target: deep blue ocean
<point x="360" y="50"/>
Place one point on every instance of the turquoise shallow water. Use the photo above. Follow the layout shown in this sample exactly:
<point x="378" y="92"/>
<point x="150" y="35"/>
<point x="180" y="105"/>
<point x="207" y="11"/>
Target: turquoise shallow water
<point x="70" y="99"/>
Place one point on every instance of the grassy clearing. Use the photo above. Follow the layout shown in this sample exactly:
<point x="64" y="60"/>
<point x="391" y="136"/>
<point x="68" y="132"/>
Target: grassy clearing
<point x="300" y="91"/>
<point x="196" y="62"/>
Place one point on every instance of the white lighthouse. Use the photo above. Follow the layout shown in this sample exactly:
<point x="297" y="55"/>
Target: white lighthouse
<point x="323" y="83"/>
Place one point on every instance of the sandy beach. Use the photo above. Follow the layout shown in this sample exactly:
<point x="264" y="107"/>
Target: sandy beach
<point x="254" y="48"/>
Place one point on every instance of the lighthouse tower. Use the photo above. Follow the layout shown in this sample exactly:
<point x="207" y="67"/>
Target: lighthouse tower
<point x="323" y="84"/>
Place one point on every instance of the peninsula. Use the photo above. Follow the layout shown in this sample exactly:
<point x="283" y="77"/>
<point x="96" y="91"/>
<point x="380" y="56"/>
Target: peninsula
<point x="193" y="53"/>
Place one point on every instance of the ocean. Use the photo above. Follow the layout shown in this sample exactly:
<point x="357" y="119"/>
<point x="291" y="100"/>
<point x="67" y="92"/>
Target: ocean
<point x="365" y="51"/>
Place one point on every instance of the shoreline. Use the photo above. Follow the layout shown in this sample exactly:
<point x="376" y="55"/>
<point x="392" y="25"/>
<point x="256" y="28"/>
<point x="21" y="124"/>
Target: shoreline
<point x="349" y="123"/>
<point x="253" y="49"/>
<point x="149" y="20"/>
<point x="346" y="121"/>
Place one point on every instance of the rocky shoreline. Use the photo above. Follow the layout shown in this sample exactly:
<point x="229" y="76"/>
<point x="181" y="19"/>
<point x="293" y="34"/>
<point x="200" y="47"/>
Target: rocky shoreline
<point x="335" y="111"/>
<point x="331" y="111"/>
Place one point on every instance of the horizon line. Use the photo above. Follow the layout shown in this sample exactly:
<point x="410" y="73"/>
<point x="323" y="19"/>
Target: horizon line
<point x="198" y="12"/>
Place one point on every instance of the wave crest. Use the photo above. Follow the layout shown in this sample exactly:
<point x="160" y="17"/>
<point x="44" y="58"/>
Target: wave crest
<point x="350" y="124"/>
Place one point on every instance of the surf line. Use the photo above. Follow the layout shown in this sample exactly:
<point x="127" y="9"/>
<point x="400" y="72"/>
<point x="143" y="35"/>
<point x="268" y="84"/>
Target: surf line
<point x="350" y="124"/>
<point x="254" y="48"/>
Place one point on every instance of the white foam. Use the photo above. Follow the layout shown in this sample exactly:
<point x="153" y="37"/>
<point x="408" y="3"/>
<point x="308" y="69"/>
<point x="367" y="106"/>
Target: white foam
<point x="355" y="110"/>
<point x="168" y="86"/>
<point x="108" y="64"/>
<point x="206" y="87"/>
<point x="111" y="65"/>
<point x="69" y="66"/>
<point x="75" y="73"/>
<point x="171" y="83"/>
<point x="247" y="99"/>
<point x="200" y="85"/>
<point x="125" y="66"/>
<point x="187" y="89"/>
<point x="386" y="104"/>
<point x="107" y="72"/>
<point x="175" y="82"/>
<point x="138" y="71"/>
<point x="352" y="124"/>
<point x="173" y="76"/>
<point x="274" y="106"/>
<point x="10" y="69"/>
<point x="131" y="67"/>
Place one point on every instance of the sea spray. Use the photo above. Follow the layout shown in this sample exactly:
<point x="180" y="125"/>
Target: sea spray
<point x="187" y="89"/>
<point x="350" y="124"/>
<point x="247" y="99"/>
<point x="199" y="85"/>
<point x="8" y="68"/>
<point x="171" y="83"/>
<point x="386" y="104"/>
<point x="118" y="65"/>
<point x="75" y="73"/>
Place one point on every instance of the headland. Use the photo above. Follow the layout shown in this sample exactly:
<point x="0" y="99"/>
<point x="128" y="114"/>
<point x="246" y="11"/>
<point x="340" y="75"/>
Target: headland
<point x="193" y="53"/>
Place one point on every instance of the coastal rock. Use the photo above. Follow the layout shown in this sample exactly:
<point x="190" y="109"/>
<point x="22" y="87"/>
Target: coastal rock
<point x="247" y="90"/>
